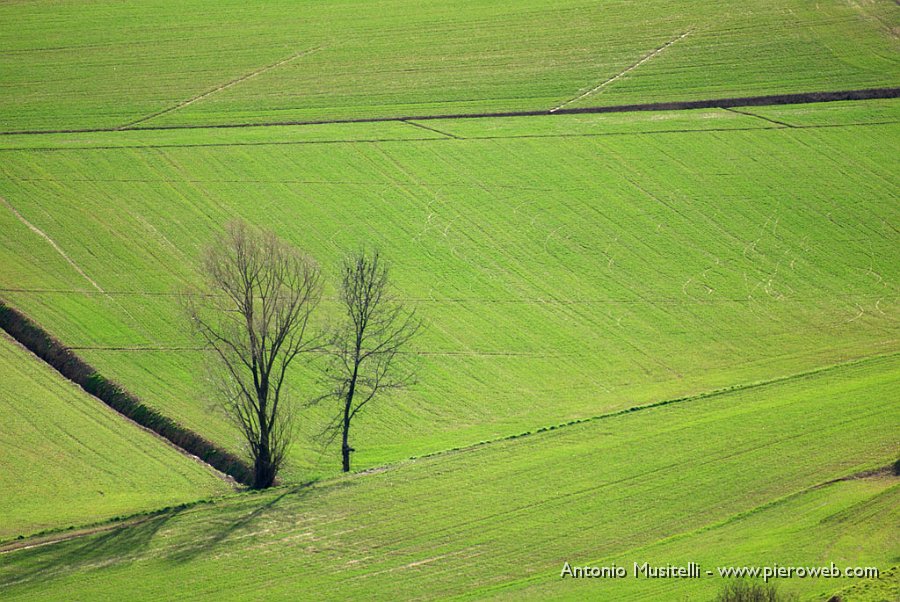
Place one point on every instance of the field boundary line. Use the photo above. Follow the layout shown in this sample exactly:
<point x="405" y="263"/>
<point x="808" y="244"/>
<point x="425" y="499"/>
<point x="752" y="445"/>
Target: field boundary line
<point x="676" y="105"/>
<point x="749" y="114"/>
<point x="430" y="129"/>
<point x="52" y="149"/>
<point x="658" y="404"/>
<point x="60" y="534"/>
<point x="649" y="56"/>
<point x="219" y="88"/>
<point x="50" y="350"/>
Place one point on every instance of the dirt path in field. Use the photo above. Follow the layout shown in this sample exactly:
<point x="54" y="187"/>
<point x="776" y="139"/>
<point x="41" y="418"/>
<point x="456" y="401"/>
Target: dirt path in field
<point x="219" y="88"/>
<point x="623" y="73"/>
<point x="46" y="540"/>
<point x="52" y="242"/>
<point x="684" y="105"/>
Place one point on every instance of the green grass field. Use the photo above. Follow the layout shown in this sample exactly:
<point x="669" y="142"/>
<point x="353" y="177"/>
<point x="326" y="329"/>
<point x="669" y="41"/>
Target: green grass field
<point x="567" y="266"/>
<point x="650" y="336"/>
<point x="68" y="460"/>
<point x="111" y="64"/>
<point x="738" y="478"/>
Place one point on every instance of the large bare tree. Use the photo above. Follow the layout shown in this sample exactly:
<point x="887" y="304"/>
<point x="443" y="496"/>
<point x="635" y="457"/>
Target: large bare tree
<point x="254" y="312"/>
<point x="366" y="347"/>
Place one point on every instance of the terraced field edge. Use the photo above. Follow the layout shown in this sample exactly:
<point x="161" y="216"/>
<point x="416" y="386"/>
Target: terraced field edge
<point x="715" y="103"/>
<point x="63" y="360"/>
<point x="665" y="402"/>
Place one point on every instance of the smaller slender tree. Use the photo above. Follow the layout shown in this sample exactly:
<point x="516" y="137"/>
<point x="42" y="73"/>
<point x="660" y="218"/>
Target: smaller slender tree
<point x="254" y="314"/>
<point x="365" y="349"/>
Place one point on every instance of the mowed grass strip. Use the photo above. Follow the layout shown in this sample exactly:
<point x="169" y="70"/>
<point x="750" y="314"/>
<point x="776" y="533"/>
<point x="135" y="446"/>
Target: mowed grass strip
<point x="111" y="64"/>
<point x="250" y="136"/>
<point x="707" y="472"/>
<point x="561" y="277"/>
<point x="68" y="460"/>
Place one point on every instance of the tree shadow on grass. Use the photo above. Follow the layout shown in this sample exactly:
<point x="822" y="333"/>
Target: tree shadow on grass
<point x="225" y="526"/>
<point x="31" y="568"/>
<point x="120" y="545"/>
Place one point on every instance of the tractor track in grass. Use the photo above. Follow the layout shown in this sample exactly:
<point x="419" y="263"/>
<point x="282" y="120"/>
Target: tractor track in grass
<point x="53" y="536"/>
<point x="46" y="540"/>
<point x="511" y="301"/>
<point x="219" y="88"/>
<point x="62" y="253"/>
<point x="52" y="243"/>
<point x="683" y="105"/>
<point x="430" y="129"/>
<point x="647" y="57"/>
<point x="534" y="354"/>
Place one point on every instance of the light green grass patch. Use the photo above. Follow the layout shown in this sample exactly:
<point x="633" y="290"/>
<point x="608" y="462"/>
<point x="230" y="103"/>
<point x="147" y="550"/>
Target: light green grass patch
<point x="68" y="460"/>
<point x="833" y="113"/>
<point x="596" y="124"/>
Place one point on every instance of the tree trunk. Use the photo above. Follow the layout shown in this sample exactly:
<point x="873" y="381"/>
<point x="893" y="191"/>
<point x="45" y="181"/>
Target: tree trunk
<point x="263" y="470"/>
<point x="348" y="405"/>
<point x="345" y="443"/>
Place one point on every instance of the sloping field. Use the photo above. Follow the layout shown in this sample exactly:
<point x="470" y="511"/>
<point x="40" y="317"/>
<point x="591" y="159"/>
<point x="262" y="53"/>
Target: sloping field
<point x="650" y="336"/>
<point x="738" y="478"/>
<point x="68" y="65"/>
<point x="567" y="266"/>
<point x="850" y="519"/>
<point x="66" y="459"/>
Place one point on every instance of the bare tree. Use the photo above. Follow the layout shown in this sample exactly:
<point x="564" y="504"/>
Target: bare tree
<point x="365" y="348"/>
<point x="254" y="313"/>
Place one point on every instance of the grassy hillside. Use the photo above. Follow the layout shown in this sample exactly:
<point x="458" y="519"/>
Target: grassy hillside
<point x="737" y="478"/>
<point x="650" y="336"/>
<point x="567" y="266"/>
<point x="110" y="64"/>
<point x="66" y="459"/>
<point x="849" y="519"/>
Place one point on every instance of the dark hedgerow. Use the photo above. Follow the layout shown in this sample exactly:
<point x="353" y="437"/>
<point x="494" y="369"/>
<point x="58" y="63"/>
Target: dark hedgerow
<point x="43" y="345"/>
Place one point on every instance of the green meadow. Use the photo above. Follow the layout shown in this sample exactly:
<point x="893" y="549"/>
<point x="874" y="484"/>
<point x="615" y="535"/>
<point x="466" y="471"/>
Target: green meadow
<point x="110" y="64"/>
<point x="661" y="336"/>
<point x="737" y="478"/>
<point x="68" y="460"/>
<point x="567" y="266"/>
